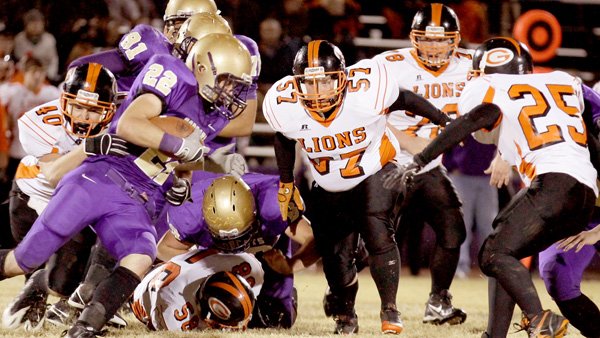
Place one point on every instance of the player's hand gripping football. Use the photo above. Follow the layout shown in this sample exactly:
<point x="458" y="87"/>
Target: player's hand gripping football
<point x="290" y="201"/>
<point x="180" y="192"/>
<point x="192" y="148"/>
<point x="401" y="178"/>
<point x="107" y="144"/>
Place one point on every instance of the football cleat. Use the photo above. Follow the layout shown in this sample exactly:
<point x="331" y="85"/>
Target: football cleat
<point x="61" y="313"/>
<point x="82" y="330"/>
<point x="439" y="310"/>
<point x="346" y="324"/>
<point x="391" y="322"/>
<point x="546" y="324"/>
<point x="82" y="295"/>
<point x="28" y="308"/>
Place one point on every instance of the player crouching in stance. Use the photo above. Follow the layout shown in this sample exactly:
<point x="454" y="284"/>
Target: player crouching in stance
<point x="538" y="126"/>
<point x="338" y="115"/>
<point x="201" y="289"/>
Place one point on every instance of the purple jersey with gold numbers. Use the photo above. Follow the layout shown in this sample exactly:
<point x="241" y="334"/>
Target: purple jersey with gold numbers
<point x="133" y="52"/>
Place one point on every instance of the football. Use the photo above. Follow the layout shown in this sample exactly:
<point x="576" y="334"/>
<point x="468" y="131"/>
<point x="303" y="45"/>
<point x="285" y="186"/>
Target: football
<point x="181" y="128"/>
<point x="173" y="125"/>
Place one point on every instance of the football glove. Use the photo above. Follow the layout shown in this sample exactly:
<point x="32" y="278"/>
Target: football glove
<point x="107" y="144"/>
<point x="290" y="202"/>
<point x="180" y="192"/>
<point x="192" y="148"/>
<point x="231" y="163"/>
<point x="401" y="178"/>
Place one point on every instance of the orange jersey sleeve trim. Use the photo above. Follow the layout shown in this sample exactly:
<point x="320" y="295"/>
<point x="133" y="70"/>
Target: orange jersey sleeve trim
<point x="25" y="171"/>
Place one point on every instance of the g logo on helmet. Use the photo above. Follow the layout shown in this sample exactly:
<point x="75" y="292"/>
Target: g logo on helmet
<point x="496" y="58"/>
<point x="218" y="308"/>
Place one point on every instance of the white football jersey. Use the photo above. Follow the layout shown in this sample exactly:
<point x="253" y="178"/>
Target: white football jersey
<point x="18" y="102"/>
<point x="354" y="142"/>
<point x="541" y="128"/>
<point x="441" y="88"/>
<point x="166" y="297"/>
<point x="41" y="132"/>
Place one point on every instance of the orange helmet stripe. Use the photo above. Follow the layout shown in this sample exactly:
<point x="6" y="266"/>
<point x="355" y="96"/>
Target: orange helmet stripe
<point x="515" y="43"/>
<point x="92" y="76"/>
<point x="313" y="53"/>
<point x="246" y="302"/>
<point x="436" y="14"/>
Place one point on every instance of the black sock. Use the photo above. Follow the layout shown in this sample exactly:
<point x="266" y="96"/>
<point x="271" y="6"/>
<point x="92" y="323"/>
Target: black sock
<point x="583" y="314"/>
<point x="3" y="254"/>
<point x="385" y="270"/>
<point x="342" y="300"/>
<point x="501" y="308"/>
<point x="101" y="265"/>
<point x="443" y="267"/>
<point x="109" y="296"/>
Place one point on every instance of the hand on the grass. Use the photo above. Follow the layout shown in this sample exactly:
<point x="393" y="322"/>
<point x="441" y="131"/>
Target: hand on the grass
<point x="278" y="262"/>
<point x="580" y="240"/>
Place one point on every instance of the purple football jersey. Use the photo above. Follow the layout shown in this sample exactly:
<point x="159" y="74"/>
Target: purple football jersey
<point x="134" y="50"/>
<point x="168" y="78"/>
<point x="187" y="221"/>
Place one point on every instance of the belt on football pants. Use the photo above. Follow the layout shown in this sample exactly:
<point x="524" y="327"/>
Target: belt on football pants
<point x="131" y="191"/>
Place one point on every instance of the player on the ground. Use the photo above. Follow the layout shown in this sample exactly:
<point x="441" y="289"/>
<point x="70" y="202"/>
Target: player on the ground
<point x="539" y="127"/>
<point x="242" y="214"/>
<point x="436" y="69"/>
<point x="338" y="115"/>
<point x="178" y="295"/>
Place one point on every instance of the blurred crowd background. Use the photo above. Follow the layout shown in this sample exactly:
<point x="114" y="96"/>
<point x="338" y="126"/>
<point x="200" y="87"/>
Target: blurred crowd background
<point x="38" y="39"/>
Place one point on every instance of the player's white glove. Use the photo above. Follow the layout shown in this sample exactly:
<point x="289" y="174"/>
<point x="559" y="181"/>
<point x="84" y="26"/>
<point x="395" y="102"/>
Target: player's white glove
<point x="192" y="148"/>
<point x="231" y="163"/>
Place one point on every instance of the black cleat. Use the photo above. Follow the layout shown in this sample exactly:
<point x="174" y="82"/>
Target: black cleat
<point x="545" y="324"/>
<point x="28" y="308"/>
<point x="82" y="330"/>
<point x="346" y="324"/>
<point x="391" y="322"/>
<point x="62" y="314"/>
<point x="439" y="310"/>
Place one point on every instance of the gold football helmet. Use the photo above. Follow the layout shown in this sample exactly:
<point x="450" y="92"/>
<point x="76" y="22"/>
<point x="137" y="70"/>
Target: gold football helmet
<point x="196" y="27"/>
<point x="230" y="213"/>
<point x="222" y="67"/>
<point x="178" y="11"/>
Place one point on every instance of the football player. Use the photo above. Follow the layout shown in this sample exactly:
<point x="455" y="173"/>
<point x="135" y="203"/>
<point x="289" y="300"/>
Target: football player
<point x="436" y="69"/>
<point x="48" y="134"/>
<point x="134" y="185"/>
<point x="338" y="116"/>
<point x="537" y="122"/>
<point x="194" y="291"/>
<point x="241" y="214"/>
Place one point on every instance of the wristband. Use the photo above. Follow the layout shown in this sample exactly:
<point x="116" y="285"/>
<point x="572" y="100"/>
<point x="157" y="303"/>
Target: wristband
<point x="170" y="144"/>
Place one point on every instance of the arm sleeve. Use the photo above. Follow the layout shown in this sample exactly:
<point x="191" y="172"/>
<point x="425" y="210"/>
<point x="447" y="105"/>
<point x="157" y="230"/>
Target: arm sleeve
<point x="110" y="59"/>
<point x="484" y="115"/>
<point x="591" y="100"/>
<point x="417" y="104"/>
<point x="285" y="152"/>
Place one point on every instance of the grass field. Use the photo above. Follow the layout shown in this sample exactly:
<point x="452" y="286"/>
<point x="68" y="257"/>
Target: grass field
<point x="469" y="294"/>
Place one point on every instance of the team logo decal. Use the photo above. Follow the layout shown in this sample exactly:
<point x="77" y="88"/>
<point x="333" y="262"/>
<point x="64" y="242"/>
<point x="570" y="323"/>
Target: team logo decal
<point x="219" y="308"/>
<point x="497" y="57"/>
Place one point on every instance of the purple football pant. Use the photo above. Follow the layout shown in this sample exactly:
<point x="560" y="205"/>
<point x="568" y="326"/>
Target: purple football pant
<point x="562" y="271"/>
<point x="87" y="196"/>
